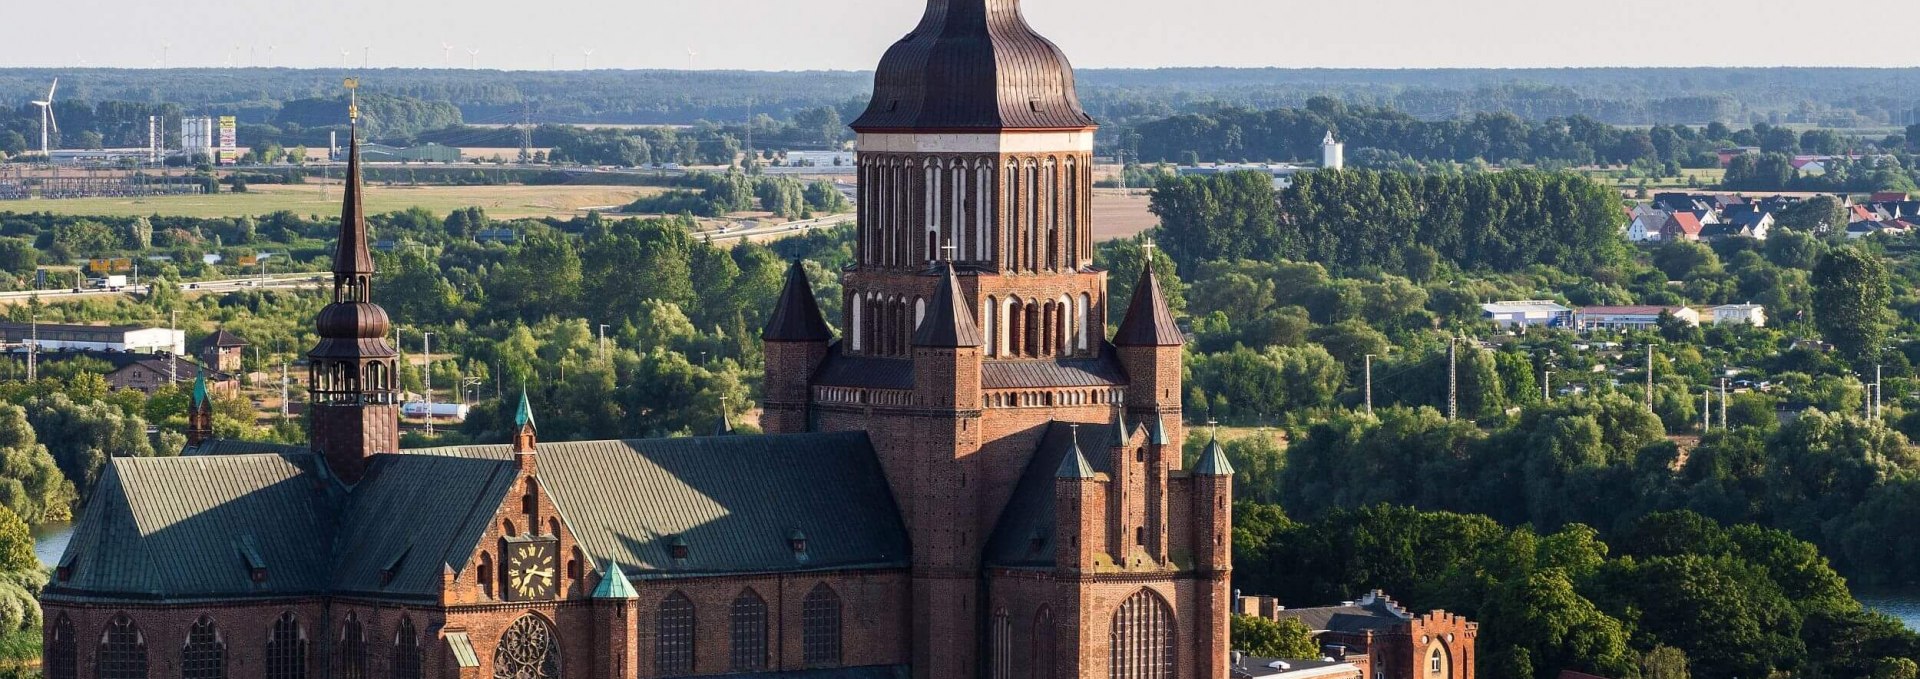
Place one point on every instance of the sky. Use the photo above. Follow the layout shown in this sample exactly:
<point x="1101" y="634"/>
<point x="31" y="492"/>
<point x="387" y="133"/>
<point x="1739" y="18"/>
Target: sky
<point x="851" y="34"/>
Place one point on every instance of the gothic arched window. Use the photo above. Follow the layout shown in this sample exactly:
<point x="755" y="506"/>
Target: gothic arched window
<point x="527" y="650"/>
<point x="406" y="651"/>
<point x="748" y="619"/>
<point x="61" y="652"/>
<point x="673" y="636"/>
<point x="820" y="627"/>
<point x="353" y="648"/>
<point x="287" y="649"/>
<point x="1142" y="638"/>
<point x="205" y="655"/>
<point x="123" y="651"/>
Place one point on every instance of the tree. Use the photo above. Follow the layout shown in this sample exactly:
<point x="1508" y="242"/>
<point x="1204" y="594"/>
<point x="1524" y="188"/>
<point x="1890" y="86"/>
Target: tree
<point x="1263" y="638"/>
<point x="1664" y="662"/>
<point x="1850" y="296"/>
<point x="16" y="544"/>
<point x="31" y="485"/>
<point x="1558" y="628"/>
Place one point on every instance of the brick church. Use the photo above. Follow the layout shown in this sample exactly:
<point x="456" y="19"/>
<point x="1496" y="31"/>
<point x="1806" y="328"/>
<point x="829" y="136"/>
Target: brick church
<point x="971" y="480"/>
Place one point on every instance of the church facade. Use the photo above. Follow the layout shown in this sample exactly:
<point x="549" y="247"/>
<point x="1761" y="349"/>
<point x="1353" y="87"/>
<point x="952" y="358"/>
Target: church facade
<point x="971" y="480"/>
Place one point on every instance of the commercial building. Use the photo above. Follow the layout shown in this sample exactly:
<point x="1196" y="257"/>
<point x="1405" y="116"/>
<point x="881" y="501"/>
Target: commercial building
<point x="1750" y="314"/>
<point x="1630" y="317"/>
<point x="1527" y="313"/>
<point x="122" y="338"/>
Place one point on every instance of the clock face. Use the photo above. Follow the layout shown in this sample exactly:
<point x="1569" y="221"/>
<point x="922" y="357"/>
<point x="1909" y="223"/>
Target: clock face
<point x="531" y="569"/>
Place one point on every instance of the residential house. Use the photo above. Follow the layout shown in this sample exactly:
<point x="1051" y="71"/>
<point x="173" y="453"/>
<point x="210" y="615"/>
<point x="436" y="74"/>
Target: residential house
<point x="1682" y="226"/>
<point x="1646" y="224"/>
<point x="1748" y="224"/>
<point x="1524" y="313"/>
<point x="1630" y="317"/>
<point x="140" y="372"/>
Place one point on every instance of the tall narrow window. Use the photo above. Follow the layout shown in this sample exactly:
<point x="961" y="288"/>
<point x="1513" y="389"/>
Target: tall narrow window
<point x="1001" y="636"/>
<point x="673" y="636"/>
<point x="205" y="655"/>
<point x="1043" y="654"/>
<point x="1084" y="313"/>
<point x="123" y="651"/>
<point x="987" y="330"/>
<point x="1142" y="638"/>
<point x="527" y="650"/>
<point x="748" y="619"/>
<point x="61" y="651"/>
<point x="352" y="651"/>
<point x="406" y="651"/>
<point x="287" y="649"/>
<point x="820" y="627"/>
<point x="1033" y="216"/>
<point x="982" y="207"/>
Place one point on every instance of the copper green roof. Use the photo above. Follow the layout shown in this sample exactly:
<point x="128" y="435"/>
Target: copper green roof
<point x="1213" y="462"/>
<point x="735" y="500"/>
<point x="199" y="389"/>
<point x="1074" y="465"/>
<point x="614" y="585"/>
<point x="523" y="415"/>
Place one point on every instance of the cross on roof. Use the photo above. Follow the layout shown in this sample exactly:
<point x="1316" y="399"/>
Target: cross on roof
<point x="947" y="251"/>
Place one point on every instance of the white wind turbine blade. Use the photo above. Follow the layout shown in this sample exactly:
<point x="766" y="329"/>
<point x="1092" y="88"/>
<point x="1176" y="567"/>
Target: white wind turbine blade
<point x="56" y="85"/>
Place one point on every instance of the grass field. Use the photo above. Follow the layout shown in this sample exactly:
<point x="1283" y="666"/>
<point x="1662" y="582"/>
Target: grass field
<point x="1706" y="178"/>
<point x="1119" y="213"/>
<point x="500" y="202"/>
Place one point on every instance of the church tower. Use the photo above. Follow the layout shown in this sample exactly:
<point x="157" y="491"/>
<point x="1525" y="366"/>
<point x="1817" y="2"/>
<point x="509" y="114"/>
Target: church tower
<point x="1333" y="154"/>
<point x="973" y="353"/>
<point x="354" y="411"/>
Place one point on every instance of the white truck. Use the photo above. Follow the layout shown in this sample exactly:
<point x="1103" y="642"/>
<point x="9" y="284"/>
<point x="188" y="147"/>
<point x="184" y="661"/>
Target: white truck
<point x="114" y="283"/>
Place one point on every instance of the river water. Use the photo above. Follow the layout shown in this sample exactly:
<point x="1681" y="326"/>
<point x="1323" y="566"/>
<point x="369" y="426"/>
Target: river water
<point x="51" y="539"/>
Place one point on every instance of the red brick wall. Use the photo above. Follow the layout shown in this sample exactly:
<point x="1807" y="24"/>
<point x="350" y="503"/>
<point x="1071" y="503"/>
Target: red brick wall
<point x="245" y="629"/>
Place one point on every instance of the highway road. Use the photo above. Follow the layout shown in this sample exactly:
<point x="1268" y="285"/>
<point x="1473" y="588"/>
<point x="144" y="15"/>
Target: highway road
<point x="778" y="230"/>
<point x="276" y="281"/>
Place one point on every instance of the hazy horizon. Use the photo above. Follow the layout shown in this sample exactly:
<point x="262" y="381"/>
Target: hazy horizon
<point x="851" y="34"/>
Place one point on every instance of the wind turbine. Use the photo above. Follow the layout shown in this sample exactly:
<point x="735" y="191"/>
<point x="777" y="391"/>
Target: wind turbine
<point x="346" y="58"/>
<point x="48" y="125"/>
<point x="446" y="54"/>
<point x="691" y="55"/>
<point x="586" y="59"/>
<point x="473" y="57"/>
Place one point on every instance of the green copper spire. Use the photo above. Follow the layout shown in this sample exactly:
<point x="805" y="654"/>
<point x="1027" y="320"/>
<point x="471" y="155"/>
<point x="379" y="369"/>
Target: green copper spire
<point x="199" y="389"/>
<point x="523" y="416"/>
<point x="1074" y="465"/>
<point x="1213" y="462"/>
<point x="615" y="585"/>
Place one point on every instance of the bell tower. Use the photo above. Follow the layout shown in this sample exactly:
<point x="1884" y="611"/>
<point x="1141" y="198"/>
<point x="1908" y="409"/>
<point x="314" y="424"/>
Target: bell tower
<point x="353" y="387"/>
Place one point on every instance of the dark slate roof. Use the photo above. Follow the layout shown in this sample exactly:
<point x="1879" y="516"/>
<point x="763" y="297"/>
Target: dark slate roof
<point x="949" y="320"/>
<point x="1024" y="537"/>
<point x="973" y="65"/>
<point x="236" y="447"/>
<point x="796" y="316"/>
<point x="185" y="528"/>
<point x="734" y="499"/>
<point x="414" y="515"/>
<point x="841" y="370"/>
<point x="1213" y="462"/>
<point x="1101" y="371"/>
<point x="1375" y="611"/>
<point x="1148" y="323"/>
<point x="222" y="339"/>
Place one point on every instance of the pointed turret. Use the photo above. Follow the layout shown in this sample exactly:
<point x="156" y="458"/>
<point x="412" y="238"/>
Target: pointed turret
<point x="1148" y="323"/>
<point x="351" y="256"/>
<point x="614" y="585"/>
<point x="949" y="322"/>
<point x="525" y="432"/>
<point x="1075" y="465"/>
<point x="1213" y="462"/>
<point x="796" y="317"/>
<point x="724" y="427"/>
<point x="200" y="413"/>
<point x="1119" y="427"/>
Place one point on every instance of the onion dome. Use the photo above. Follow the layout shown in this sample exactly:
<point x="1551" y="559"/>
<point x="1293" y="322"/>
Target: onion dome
<point x="973" y="65"/>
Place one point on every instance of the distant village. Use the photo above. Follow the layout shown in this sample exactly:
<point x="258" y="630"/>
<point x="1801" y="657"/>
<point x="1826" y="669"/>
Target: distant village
<point x="1715" y="216"/>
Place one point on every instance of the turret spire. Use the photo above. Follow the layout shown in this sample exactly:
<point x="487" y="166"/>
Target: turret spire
<point x="1148" y="323"/>
<point x="525" y="432"/>
<point x="796" y="317"/>
<point x="352" y="262"/>
<point x="949" y="322"/>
